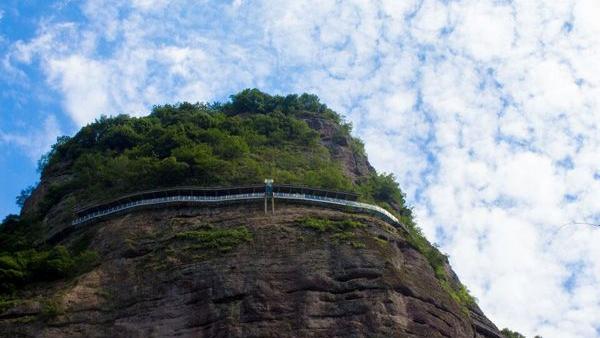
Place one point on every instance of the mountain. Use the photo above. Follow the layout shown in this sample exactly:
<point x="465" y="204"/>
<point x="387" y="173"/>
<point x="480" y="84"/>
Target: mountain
<point x="203" y="270"/>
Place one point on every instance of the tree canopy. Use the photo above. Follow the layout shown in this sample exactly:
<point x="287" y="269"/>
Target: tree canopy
<point x="253" y="136"/>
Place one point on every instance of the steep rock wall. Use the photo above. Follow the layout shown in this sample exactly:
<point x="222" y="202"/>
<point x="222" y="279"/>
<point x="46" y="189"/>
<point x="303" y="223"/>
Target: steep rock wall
<point x="283" y="280"/>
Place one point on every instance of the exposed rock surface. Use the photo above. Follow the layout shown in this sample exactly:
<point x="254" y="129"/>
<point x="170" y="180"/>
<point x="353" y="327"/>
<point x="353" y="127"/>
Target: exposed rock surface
<point x="355" y="165"/>
<point x="287" y="281"/>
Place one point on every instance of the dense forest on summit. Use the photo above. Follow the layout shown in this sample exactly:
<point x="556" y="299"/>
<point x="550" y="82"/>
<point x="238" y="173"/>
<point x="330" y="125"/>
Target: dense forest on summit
<point x="253" y="136"/>
<point x="243" y="141"/>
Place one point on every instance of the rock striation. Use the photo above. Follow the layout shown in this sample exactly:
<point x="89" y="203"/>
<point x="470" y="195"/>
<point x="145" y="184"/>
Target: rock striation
<point x="287" y="280"/>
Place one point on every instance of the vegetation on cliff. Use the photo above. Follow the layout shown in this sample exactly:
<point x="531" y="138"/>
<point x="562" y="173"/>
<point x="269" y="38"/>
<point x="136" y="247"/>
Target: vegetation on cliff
<point x="253" y="136"/>
<point x="342" y="231"/>
<point x="507" y="333"/>
<point x="21" y="263"/>
<point x="213" y="238"/>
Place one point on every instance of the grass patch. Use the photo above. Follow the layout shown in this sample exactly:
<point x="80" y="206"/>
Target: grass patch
<point x="343" y="231"/>
<point x="348" y="237"/>
<point x="51" y="308"/>
<point x="7" y="303"/>
<point x="217" y="238"/>
<point x="343" y="236"/>
<point x="327" y="225"/>
<point x="357" y="245"/>
<point x="380" y="241"/>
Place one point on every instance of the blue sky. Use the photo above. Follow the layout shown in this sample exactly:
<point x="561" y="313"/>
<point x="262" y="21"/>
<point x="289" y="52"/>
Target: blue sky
<point x="487" y="112"/>
<point x="21" y="111"/>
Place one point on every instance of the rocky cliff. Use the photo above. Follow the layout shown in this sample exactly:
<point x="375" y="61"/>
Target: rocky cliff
<point x="230" y="271"/>
<point x="280" y="279"/>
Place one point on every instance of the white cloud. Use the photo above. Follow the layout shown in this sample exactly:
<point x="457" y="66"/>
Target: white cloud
<point x="150" y="4"/>
<point x="36" y="142"/>
<point x="484" y="30"/>
<point x="85" y="84"/>
<point x="488" y="112"/>
<point x="429" y="21"/>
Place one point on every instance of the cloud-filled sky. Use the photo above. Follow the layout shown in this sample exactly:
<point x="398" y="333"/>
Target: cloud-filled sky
<point x="487" y="112"/>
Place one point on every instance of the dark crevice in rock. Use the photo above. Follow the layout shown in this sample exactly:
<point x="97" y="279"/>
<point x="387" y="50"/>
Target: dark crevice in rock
<point x="341" y="315"/>
<point x="60" y="324"/>
<point x="230" y="299"/>
<point x="427" y="327"/>
<point x="433" y="314"/>
<point x="10" y="316"/>
<point x="405" y="291"/>
<point x="334" y="292"/>
<point x="137" y="302"/>
<point x="367" y="273"/>
<point x="263" y="320"/>
<point x="353" y="296"/>
<point x="203" y="325"/>
<point x="485" y="330"/>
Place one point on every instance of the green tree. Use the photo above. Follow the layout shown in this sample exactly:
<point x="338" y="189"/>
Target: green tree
<point x="24" y="195"/>
<point x="120" y="137"/>
<point x="511" y="334"/>
<point x="250" y="101"/>
<point x="232" y="147"/>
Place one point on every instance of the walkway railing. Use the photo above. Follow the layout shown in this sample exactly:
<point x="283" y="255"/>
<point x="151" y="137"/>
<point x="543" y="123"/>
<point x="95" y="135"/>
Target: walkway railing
<point x="100" y="212"/>
<point x="358" y="206"/>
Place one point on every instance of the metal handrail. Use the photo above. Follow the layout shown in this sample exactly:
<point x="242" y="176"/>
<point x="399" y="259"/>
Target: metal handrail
<point x="195" y="190"/>
<point x="314" y="199"/>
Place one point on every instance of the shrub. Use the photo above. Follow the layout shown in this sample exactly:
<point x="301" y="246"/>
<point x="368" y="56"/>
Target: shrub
<point x="24" y="195"/>
<point x="217" y="238"/>
<point x="232" y="147"/>
<point x="7" y="303"/>
<point x="343" y="231"/>
<point x="383" y="188"/>
<point x="438" y="261"/>
<point x="250" y="101"/>
<point x="327" y="225"/>
<point x="50" y="309"/>
<point x="511" y="334"/>
<point x="343" y="236"/>
<point x="22" y="267"/>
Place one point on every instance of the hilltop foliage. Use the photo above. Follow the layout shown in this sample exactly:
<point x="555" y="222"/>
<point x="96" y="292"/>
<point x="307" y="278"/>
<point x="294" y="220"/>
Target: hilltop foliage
<point x="253" y="136"/>
<point x="507" y="333"/>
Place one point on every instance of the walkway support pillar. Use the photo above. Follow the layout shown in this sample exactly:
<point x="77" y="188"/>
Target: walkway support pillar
<point x="269" y="193"/>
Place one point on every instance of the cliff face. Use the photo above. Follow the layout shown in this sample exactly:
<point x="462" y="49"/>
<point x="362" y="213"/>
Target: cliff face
<point x="231" y="271"/>
<point x="355" y="165"/>
<point x="279" y="278"/>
